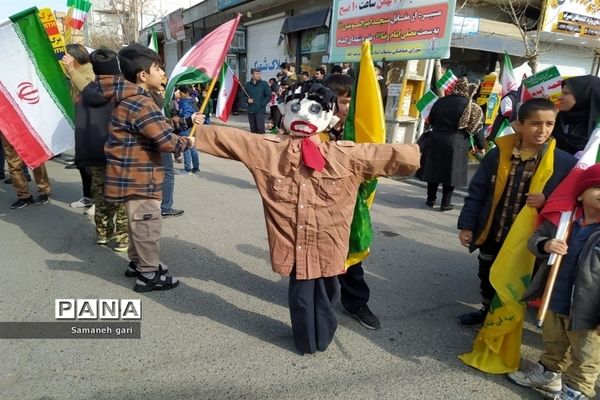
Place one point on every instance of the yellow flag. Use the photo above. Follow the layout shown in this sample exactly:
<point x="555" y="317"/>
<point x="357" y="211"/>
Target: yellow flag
<point x="365" y="124"/>
<point x="496" y="349"/>
<point x="369" y="119"/>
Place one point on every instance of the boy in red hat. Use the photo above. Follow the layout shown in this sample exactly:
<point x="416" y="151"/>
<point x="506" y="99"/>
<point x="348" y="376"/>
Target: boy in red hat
<point x="570" y="363"/>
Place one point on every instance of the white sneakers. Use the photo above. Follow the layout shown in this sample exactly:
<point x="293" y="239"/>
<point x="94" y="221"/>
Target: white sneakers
<point x="569" y="394"/>
<point x="549" y="381"/>
<point x="536" y="377"/>
<point x="82" y="202"/>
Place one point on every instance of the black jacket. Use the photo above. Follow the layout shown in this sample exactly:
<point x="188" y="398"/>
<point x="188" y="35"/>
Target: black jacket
<point x="92" y="116"/>
<point x="478" y="203"/>
<point x="445" y="158"/>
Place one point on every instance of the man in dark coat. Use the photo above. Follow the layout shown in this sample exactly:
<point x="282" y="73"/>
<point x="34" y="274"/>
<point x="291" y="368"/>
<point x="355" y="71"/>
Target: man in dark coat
<point x="257" y="95"/>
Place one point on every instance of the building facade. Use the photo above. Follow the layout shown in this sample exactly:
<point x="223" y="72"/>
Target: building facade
<point x="298" y="31"/>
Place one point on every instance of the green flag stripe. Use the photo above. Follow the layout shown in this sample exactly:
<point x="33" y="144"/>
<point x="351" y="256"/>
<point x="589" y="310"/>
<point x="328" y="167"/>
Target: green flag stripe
<point x="188" y="77"/>
<point x="32" y="34"/>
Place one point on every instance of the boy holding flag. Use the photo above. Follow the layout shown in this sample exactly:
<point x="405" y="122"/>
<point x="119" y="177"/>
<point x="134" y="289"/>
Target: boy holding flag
<point x="502" y="185"/>
<point x="138" y="133"/>
<point x="571" y="328"/>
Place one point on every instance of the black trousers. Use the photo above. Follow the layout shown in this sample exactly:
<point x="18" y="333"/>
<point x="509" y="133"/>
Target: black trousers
<point x="86" y="181"/>
<point x="354" y="290"/>
<point x="257" y="122"/>
<point x="447" y="192"/>
<point x="487" y="254"/>
<point x="311" y="312"/>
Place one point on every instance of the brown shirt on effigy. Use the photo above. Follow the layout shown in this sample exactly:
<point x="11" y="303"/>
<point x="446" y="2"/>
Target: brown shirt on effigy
<point x="308" y="213"/>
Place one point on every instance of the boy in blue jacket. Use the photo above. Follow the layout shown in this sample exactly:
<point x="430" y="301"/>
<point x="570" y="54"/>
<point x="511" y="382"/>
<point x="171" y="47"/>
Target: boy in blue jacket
<point x="187" y="108"/>
<point x="500" y="189"/>
<point x="570" y="363"/>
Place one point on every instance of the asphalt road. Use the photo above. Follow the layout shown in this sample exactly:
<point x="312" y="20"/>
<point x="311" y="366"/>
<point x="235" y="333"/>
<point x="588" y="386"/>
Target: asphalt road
<point x="225" y="332"/>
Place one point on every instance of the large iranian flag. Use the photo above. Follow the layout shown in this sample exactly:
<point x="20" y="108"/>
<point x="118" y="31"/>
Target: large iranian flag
<point x="227" y="92"/>
<point x="35" y="105"/>
<point x="202" y="63"/>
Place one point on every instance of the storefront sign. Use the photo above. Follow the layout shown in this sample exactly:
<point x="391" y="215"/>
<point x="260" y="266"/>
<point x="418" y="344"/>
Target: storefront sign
<point x="546" y="83"/>
<point x="573" y="17"/>
<point x="465" y="25"/>
<point x="266" y="64"/>
<point x="394" y="89"/>
<point x="314" y="41"/>
<point x="225" y="4"/>
<point x="397" y="29"/>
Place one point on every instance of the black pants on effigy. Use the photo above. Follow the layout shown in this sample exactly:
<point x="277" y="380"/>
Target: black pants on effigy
<point x="312" y="313"/>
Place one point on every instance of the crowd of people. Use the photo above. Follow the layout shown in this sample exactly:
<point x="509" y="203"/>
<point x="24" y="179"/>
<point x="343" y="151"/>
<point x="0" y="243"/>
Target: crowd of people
<point x="308" y="179"/>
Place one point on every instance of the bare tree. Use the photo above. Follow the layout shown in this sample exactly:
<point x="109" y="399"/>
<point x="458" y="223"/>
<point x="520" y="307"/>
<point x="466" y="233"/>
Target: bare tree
<point x="120" y="20"/>
<point x="526" y="16"/>
<point x="104" y="41"/>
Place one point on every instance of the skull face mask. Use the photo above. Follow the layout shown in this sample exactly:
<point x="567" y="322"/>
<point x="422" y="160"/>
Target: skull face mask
<point x="308" y="109"/>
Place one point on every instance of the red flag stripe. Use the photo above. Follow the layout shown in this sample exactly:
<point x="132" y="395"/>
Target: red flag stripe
<point x="19" y="133"/>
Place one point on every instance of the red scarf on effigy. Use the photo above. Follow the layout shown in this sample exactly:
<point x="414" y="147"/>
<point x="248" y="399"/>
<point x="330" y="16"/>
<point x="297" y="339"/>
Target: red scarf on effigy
<point x="311" y="155"/>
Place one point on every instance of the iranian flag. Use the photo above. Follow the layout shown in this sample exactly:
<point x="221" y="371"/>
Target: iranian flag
<point x="202" y="63"/>
<point x="509" y="81"/>
<point x="153" y="45"/>
<point x="35" y="104"/>
<point x="425" y="104"/>
<point x="447" y="82"/>
<point x="562" y="198"/>
<point x="227" y="92"/>
<point x="78" y="11"/>
<point x="505" y="129"/>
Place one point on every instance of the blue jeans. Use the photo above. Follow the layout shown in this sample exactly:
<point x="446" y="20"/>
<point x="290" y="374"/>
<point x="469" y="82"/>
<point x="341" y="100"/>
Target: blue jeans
<point x="169" y="182"/>
<point x="190" y="160"/>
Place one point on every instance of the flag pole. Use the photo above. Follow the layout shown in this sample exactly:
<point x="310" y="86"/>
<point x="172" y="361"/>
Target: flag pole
<point x="243" y="88"/>
<point x="205" y="102"/>
<point x="555" y="262"/>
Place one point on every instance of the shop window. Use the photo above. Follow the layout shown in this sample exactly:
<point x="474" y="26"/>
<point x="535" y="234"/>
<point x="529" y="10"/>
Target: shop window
<point x="238" y="44"/>
<point x="313" y="49"/>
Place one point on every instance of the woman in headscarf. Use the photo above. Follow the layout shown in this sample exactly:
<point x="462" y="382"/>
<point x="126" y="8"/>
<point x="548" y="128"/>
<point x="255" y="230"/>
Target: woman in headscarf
<point x="579" y="112"/>
<point x="453" y="118"/>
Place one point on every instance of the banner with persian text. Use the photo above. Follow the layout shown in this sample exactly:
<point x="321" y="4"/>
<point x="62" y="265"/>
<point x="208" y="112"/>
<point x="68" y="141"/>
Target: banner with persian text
<point x="397" y="29"/>
<point x="573" y="17"/>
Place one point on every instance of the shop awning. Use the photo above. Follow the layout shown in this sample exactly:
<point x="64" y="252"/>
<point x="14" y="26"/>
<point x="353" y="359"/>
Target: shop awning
<point x="316" y="19"/>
